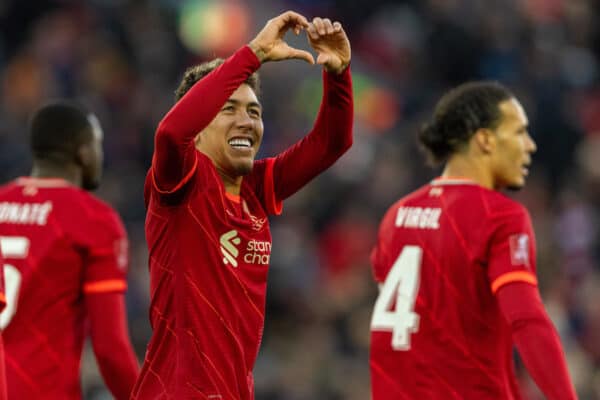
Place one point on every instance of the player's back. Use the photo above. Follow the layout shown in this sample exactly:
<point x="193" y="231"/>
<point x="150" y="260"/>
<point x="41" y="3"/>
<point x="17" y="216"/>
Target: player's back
<point x="50" y="233"/>
<point x="437" y="331"/>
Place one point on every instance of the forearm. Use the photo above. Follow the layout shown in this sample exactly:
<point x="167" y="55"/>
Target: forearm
<point x="174" y="141"/>
<point x="329" y="139"/>
<point x="536" y="339"/>
<point x="540" y="350"/>
<point x="333" y="126"/>
<point x="110" y="341"/>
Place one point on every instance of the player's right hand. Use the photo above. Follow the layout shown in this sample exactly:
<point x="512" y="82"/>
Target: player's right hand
<point x="269" y="45"/>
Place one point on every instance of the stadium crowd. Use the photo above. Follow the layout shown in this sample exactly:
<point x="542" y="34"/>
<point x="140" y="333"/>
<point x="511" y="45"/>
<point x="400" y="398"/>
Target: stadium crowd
<point x="124" y="58"/>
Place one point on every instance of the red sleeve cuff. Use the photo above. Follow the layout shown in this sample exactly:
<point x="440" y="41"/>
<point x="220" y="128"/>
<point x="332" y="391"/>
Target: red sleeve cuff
<point x="111" y="285"/>
<point x="247" y="51"/>
<point x="514" y="276"/>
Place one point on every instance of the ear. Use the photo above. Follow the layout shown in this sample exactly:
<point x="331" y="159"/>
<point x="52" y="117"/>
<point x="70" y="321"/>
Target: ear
<point x="197" y="139"/>
<point x="485" y="140"/>
<point x="84" y="156"/>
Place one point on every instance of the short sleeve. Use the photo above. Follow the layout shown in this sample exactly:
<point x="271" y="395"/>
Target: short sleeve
<point x="107" y="256"/>
<point x="512" y="255"/>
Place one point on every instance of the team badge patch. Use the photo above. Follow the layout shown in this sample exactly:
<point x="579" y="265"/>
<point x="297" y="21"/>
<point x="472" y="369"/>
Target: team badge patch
<point x="519" y="249"/>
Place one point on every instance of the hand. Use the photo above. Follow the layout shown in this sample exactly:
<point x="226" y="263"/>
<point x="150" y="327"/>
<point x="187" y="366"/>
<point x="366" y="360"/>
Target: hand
<point x="331" y="43"/>
<point x="269" y="45"/>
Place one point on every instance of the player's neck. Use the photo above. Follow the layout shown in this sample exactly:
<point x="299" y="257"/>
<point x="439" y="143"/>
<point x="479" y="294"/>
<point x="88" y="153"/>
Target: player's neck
<point x="46" y="169"/>
<point x="232" y="185"/>
<point x="468" y="168"/>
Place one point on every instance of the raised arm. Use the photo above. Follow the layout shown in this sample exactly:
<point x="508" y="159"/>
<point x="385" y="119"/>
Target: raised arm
<point x="174" y="157"/>
<point x="174" y="150"/>
<point x="331" y="135"/>
<point x="536" y="339"/>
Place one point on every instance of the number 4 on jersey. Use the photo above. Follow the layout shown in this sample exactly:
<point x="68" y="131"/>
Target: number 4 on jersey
<point x="400" y="289"/>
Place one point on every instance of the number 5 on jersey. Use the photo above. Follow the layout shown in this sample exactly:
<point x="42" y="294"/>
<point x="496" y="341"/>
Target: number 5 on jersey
<point x="400" y="289"/>
<point x="15" y="247"/>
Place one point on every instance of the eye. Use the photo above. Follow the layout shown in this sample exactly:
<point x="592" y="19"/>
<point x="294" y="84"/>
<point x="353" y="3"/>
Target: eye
<point x="228" y="108"/>
<point x="254" y="112"/>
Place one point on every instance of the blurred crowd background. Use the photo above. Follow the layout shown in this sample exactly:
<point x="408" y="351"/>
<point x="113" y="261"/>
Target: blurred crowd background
<point x="124" y="59"/>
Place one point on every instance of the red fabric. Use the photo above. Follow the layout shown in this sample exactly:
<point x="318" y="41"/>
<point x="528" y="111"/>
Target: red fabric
<point x="536" y="339"/>
<point x="209" y="256"/>
<point x="3" y="394"/>
<point x="110" y="341"/>
<point x="61" y="239"/>
<point x="2" y="305"/>
<point x="2" y="290"/>
<point x="461" y="347"/>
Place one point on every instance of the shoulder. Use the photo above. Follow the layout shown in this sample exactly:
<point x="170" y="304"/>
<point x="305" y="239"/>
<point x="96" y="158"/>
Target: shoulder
<point x="411" y="198"/>
<point x="6" y="188"/>
<point x="100" y="212"/>
<point x="501" y="206"/>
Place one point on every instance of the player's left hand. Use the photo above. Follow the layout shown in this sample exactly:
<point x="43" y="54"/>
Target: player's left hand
<point x="331" y="43"/>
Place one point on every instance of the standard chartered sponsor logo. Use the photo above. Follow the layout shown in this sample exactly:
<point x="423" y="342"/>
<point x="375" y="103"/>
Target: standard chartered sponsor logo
<point x="228" y="242"/>
<point x="257" y="251"/>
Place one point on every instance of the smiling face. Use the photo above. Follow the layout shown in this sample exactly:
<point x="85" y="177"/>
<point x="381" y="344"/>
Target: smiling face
<point x="512" y="154"/>
<point x="233" y="137"/>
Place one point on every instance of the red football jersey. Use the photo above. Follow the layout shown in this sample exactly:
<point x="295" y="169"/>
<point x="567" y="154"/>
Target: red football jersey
<point x="2" y="291"/>
<point x="59" y="244"/>
<point x="215" y="283"/>
<point x="2" y="305"/>
<point x="437" y="331"/>
<point x="209" y="251"/>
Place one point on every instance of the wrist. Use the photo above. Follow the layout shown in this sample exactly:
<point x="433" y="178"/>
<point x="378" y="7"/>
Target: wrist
<point x="337" y="70"/>
<point x="258" y="51"/>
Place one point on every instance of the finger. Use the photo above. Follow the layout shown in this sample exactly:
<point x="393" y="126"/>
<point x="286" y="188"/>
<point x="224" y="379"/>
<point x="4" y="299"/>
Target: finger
<point x="328" y="26"/>
<point x="312" y="32"/>
<point x="291" y="18"/>
<point x="301" y="55"/>
<point x="323" y="58"/>
<point x="318" y="23"/>
<point x="337" y="27"/>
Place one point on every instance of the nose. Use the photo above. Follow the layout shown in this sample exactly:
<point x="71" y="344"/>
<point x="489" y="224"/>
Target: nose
<point x="244" y="119"/>
<point x="531" y="145"/>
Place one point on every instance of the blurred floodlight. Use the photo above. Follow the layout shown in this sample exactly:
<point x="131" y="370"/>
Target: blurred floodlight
<point x="209" y="26"/>
<point x="375" y="106"/>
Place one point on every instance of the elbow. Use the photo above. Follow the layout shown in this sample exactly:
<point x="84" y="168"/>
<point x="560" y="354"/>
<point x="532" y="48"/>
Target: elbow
<point x="339" y="147"/>
<point x="163" y="130"/>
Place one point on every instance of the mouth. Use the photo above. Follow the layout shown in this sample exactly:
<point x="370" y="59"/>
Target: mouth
<point x="525" y="169"/>
<point x="241" y="143"/>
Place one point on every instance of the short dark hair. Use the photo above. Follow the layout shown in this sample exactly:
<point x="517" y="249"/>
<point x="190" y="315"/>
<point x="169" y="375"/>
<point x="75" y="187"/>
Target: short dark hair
<point x="195" y="73"/>
<point x="58" y="129"/>
<point x="458" y="115"/>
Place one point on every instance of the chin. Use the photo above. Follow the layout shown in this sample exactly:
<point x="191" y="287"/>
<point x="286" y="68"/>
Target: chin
<point x="244" y="169"/>
<point x="515" y="186"/>
<point x="90" y="185"/>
